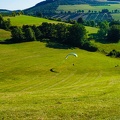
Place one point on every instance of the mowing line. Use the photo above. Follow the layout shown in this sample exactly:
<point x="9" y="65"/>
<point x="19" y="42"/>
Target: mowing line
<point x="61" y="81"/>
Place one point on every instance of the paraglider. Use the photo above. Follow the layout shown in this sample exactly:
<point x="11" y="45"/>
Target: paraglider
<point x="67" y="56"/>
<point x="74" y="54"/>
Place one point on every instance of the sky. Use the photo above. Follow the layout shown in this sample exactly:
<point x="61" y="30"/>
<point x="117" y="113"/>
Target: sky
<point x="18" y="4"/>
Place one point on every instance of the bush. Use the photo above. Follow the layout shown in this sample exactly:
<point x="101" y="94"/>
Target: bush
<point x="114" y="53"/>
<point x="17" y="35"/>
<point x="87" y="45"/>
<point x="114" y="34"/>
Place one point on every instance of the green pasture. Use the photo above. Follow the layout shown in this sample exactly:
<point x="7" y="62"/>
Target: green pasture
<point x="4" y="35"/>
<point x="91" y="30"/>
<point x="87" y="7"/>
<point x="87" y="90"/>
<point x="107" y="47"/>
<point x="28" y="20"/>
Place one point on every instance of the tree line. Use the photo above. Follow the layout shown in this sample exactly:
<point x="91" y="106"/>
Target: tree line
<point x="72" y="35"/>
<point x="109" y="32"/>
<point x="4" y="24"/>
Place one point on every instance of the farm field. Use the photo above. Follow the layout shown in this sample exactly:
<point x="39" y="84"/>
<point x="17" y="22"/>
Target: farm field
<point x="29" y="90"/>
<point x="86" y="7"/>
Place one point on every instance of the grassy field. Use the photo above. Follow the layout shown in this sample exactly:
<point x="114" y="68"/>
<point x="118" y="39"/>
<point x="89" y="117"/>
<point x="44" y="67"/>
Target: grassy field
<point x="29" y="20"/>
<point x="91" y="29"/>
<point x="87" y="90"/>
<point x="29" y="90"/>
<point x="4" y="35"/>
<point x="87" y="7"/>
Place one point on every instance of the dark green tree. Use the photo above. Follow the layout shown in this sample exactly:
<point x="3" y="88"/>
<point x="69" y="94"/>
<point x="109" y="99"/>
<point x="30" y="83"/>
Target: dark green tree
<point x="1" y="21"/>
<point x="102" y="32"/>
<point x="61" y="32"/>
<point x="13" y="13"/>
<point x="48" y="30"/>
<point x="4" y="24"/>
<point x="29" y="34"/>
<point x="77" y="34"/>
<point x="37" y="32"/>
<point x="17" y="35"/>
<point x="114" y="34"/>
<point x="80" y="20"/>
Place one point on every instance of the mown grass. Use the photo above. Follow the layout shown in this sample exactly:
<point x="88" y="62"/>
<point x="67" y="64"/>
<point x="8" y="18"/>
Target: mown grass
<point x="28" y="20"/>
<point x="29" y="90"/>
<point x="87" y="7"/>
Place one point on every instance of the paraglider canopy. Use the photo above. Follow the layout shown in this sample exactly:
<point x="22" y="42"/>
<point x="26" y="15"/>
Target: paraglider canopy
<point x="74" y="54"/>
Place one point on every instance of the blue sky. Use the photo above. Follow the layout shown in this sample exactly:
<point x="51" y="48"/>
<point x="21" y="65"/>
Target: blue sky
<point x="17" y="4"/>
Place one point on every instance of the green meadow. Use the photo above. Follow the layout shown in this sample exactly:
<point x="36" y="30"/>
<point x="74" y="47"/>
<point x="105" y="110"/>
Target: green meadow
<point x="86" y="87"/>
<point x="87" y="7"/>
<point x="4" y="35"/>
<point x="28" y="20"/>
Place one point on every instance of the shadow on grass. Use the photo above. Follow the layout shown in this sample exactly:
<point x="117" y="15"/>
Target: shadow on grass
<point x="7" y="41"/>
<point x="58" y="46"/>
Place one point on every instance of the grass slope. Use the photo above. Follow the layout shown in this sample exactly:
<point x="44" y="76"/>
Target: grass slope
<point x="4" y="35"/>
<point x="28" y="90"/>
<point x="28" y="20"/>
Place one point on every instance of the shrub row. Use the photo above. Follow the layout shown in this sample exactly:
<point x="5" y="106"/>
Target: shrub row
<point x="72" y="35"/>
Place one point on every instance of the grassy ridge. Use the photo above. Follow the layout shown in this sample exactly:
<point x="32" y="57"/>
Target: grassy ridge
<point x="88" y="90"/>
<point x="87" y="7"/>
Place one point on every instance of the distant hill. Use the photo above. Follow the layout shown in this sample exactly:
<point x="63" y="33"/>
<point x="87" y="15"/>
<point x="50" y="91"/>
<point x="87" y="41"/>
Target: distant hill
<point x="50" y="6"/>
<point x="4" y="11"/>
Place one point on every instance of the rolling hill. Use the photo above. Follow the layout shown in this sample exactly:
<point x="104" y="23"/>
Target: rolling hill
<point x="28" y="20"/>
<point x="29" y="90"/>
<point x="73" y="9"/>
<point x="50" y="6"/>
<point x="80" y="88"/>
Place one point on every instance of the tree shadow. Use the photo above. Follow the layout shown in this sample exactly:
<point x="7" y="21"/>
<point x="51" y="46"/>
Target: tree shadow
<point x="7" y="41"/>
<point x="58" y="46"/>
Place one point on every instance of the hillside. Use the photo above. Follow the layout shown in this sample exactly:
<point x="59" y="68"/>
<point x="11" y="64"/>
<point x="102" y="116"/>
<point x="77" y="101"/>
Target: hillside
<point x="38" y="82"/>
<point x="50" y="6"/>
<point x="73" y="9"/>
<point x="29" y="90"/>
<point x="4" y="35"/>
<point x="29" y="20"/>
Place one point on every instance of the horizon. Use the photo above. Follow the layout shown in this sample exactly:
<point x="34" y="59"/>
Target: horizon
<point x="18" y="5"/>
